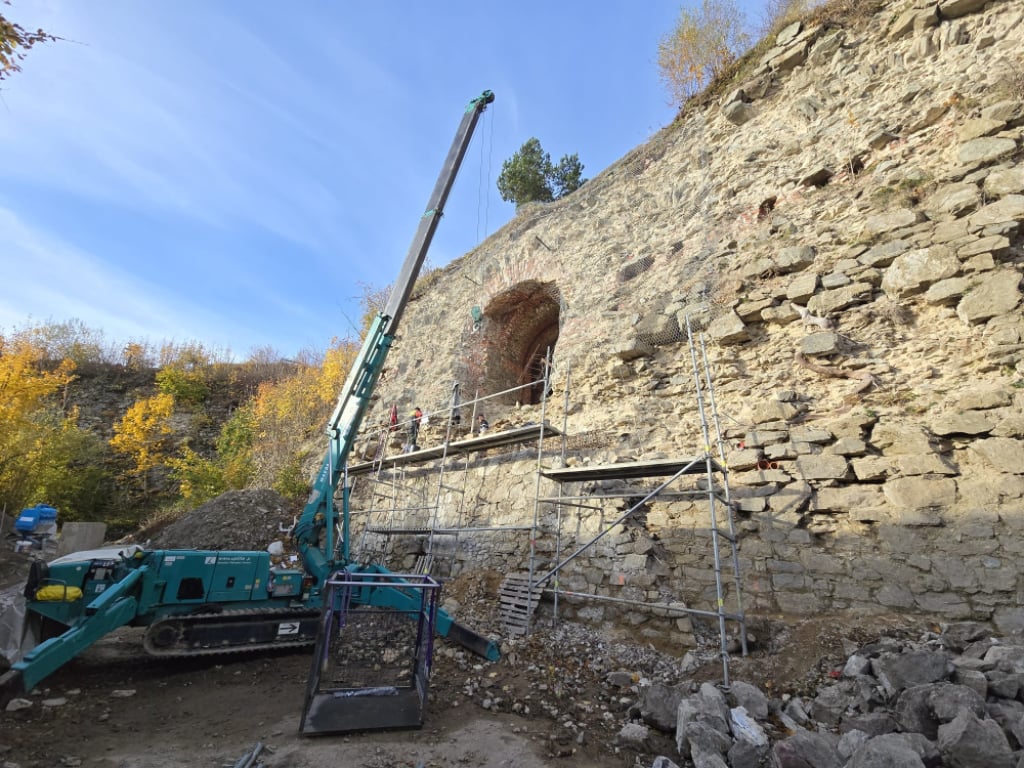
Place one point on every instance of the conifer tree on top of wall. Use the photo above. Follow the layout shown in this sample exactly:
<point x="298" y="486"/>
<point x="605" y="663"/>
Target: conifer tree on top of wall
<point x="530" y="176"/>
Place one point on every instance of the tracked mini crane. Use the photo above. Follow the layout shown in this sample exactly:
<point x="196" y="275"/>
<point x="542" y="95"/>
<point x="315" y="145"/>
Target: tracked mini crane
<point x="196" y="603"/>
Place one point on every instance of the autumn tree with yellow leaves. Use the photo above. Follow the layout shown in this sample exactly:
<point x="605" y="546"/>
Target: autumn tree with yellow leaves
<point x="15" y="42"/>
<point x="44" y="456"/>
<point x="143" y="434"/>
<point x="702" y="45"/>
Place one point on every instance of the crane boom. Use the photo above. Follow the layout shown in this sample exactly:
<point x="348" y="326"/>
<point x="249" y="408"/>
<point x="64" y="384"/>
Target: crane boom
<point x="315" y="529"/>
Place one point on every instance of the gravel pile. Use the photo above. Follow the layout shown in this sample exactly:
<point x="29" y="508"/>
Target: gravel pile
<point x="242" y="520"/>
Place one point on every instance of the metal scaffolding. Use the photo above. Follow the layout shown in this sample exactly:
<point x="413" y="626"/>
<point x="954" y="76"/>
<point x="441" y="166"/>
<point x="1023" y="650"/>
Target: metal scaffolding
<point x="520" y="594"/>
<point x="402" y="508"/>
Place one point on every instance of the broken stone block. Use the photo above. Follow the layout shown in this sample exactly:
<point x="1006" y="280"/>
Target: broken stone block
<point x="883" y="254"/>
<point x="927" y="464"/>
<point x="745" y="459"/>
<point x="802" y="288"/>
<point x="842" y="498"/>
<point x="788" y="58"/>
<point x="983" y="398"/>
<point x="793" y="259"/>
<point x="817" y="344"/>
<point x="920" y="492"/>
<point x="991" y="244"/>
<point x="738" y="112"/>
<point x="985" y="150"/>
<point x="1004" y="181"/>
<point x="636" y="736"/>
<point x="979" y="128"/>
<point x="887" y="222"/>
<point x="751" y="698"/>
<point x="968" y="740"/>
<point x="997" y="293"/>
<point x="895" y="438"/>
<point x="788" y="33"/>
<point x="750" y="311"/>
<point x="882" y="139"/>
<point x="965" y="423"/>
<point x="822" y="467"/>
<point x="954" y="199"/>
<point x="899" y="671"/>
<point x="1008" y="209"/>
<point x="631" y="349"/>
<point x="782" y="314"/>
<point x="953" y="9"/>
<point x="728" y="329"/>
<point x="659" y="705"/>
<point x="914" y="271"/>
<point x="806" y="434"/>
<point x="828" y="302"/>
<point x="808" y="748"/>
<point x="1010" y="111"/>
<point x="835" y="280"/>
<point x="946" y="293"/>
<point x="1005" y="454"/>
<point x="889" y="750"/>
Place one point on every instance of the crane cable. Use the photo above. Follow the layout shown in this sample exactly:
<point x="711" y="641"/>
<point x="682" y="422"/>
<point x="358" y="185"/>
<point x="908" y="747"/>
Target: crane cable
<point x="483" y="187"/>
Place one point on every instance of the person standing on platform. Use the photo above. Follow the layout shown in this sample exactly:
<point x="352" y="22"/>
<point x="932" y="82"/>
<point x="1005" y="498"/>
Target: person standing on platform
<point x="414" y="428"/>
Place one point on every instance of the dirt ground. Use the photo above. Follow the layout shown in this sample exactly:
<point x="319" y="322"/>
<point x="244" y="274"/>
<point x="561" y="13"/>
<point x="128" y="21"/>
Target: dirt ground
<point x="548" y="701"/>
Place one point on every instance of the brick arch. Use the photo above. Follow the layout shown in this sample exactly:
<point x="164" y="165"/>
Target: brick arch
<point x="522" y="323"/>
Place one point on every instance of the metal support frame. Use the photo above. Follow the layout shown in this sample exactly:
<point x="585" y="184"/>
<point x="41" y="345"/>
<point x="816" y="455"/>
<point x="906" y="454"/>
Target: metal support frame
<point x="371" y="666"/>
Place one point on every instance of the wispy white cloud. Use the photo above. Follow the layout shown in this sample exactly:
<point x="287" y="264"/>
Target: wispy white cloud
<point x="169" y="131"/>
<point x="47" y="278"/>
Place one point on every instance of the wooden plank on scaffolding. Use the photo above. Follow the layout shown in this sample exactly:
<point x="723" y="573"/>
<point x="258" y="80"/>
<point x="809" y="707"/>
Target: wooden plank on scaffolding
<point x="483" y="442"/>
<point x="632" y="469"/>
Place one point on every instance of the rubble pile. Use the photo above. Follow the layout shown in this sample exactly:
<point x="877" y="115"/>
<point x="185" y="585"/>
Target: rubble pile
<point x="954" y="698"/>
<point x="925" y="699"/>
<point x="244" y="520"/>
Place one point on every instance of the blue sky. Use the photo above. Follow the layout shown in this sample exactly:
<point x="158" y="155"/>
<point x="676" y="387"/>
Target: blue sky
<point x="233" y="172"/>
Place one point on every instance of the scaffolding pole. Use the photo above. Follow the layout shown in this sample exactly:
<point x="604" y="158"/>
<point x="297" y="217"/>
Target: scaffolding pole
<point x="705" y="465"/>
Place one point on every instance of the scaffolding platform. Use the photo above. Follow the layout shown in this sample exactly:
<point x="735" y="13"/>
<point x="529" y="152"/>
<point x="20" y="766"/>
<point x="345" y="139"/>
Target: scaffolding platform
<point x="484" y="442"/>
<point x="633" y="469"/>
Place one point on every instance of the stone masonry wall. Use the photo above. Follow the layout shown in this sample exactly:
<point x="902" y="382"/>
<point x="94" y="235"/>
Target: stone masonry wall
<point x="845" y="229"/>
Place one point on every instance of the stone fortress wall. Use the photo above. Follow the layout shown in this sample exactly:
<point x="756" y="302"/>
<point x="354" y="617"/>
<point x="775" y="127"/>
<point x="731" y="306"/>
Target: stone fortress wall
<point x="845" y="230"/>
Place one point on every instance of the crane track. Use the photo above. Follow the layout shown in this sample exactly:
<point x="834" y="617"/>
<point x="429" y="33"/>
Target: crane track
<point x="228" y="632"/>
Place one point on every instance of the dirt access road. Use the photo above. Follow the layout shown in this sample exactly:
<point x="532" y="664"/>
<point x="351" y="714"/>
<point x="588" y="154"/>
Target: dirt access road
<point x="114" y="707"/>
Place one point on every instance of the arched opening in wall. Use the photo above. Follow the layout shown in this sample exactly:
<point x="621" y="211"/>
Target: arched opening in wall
<point x="522" y="325"/>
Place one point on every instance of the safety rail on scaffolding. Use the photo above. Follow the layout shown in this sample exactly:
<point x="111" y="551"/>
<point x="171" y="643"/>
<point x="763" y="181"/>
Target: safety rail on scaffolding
<point x="390" y="475"/>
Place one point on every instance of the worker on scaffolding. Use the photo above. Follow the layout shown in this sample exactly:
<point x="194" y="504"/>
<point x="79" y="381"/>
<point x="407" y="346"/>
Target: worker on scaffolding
<point x="456" y="411"/>
<point x="481" y="424"/>
<point x="414" y="429"/>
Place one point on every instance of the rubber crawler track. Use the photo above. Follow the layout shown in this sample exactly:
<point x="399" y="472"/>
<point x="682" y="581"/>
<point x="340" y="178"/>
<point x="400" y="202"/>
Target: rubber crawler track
<point x="228" y="619"/>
